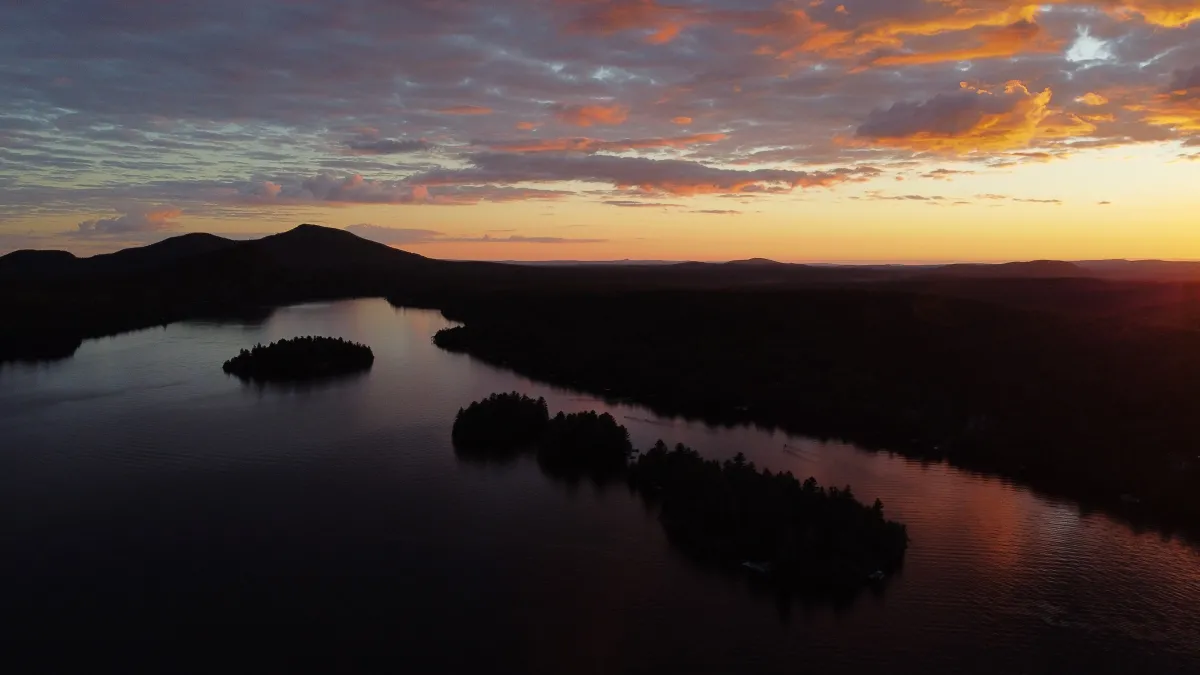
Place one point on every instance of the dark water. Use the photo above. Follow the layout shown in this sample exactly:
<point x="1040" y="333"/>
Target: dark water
<point x="143" y="490"/>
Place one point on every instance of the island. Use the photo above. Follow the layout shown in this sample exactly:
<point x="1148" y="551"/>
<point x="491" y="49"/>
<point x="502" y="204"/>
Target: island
<point x="585" y="444"/>
<point x="795" y="535"/>
<point x="500" y="423"/>
<point x="301" y="358"/>
<point x="799" y="535"/>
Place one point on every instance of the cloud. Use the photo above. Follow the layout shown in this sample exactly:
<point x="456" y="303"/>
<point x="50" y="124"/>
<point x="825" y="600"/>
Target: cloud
<point x="591" y="115"/>
<point x="387" y="146"/>
<point x="630" y="204"/>
<point x="985" y="43"/>
<point x="519" y="239"/>
<point x="335" y="190"/>
<point x="945" y="174"/>
<point x="968" y="120"/>
<point x="134" y="219"/>
<point x="397" y="236"/>
<point x="170" y="103"/>
<point x="466" y="110"/>
<point x="662" y="22"/>
<point x="717" y="212"/>
<point x="667" y="176"/>
<point x="996" y="197"/>
<point x="1166" y="13"/>
<point x="393" y="236"/>
<point x="878" y="195"/>
<point x="1092" y="98"/>
<point x="591" y="145"/>
<point x="1179" y="106"/>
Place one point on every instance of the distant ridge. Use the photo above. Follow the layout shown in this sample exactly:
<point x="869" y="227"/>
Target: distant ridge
<point x="314" y="248"/>
<point x="1034" y="269"/>
<point x="762" y="262"/>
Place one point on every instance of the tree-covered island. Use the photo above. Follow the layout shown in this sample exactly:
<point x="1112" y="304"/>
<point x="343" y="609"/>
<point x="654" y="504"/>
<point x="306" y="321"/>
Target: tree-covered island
<point x="796" y="534"/>
<point x="301" y="358"/>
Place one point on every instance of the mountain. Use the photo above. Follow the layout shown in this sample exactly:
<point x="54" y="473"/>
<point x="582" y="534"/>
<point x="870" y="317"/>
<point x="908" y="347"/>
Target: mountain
<point x="52" y="265"/>
<point x="1144" y="270"/>
<point x="1035" y="269"/>
<point x="757" y="262"/>
<point x="317" y="247"/>
<point x="309" y="247"/>
<point x="33" y="265"/>
<point x="157" y="255"/>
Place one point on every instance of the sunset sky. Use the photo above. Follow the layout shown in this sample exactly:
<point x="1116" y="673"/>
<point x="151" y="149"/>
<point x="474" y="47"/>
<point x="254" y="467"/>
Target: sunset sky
<point x="859" y="130"/>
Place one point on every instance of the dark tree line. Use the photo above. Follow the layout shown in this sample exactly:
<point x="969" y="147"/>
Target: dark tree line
<point x="798" y="535"/>
<point x="1100" y="411"/>
<point x="301" y="358"/>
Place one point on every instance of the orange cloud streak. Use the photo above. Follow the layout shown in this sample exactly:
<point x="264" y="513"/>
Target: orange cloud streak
<point x="466" y="110"/>
<point x="591" y="115"/>
<point x="1018" y="38"/>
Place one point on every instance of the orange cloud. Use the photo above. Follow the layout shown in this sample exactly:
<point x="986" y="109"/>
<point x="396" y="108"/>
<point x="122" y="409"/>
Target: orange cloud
<point x="1092" y="98"/>
<point x="527" y="126"/>
<point x="1166" y="13"/>
<point x="652" y="176"/>
<point x="1179" y="107"/>
<point x="589" y="145"/>
<point x="971" y="120"/>
<point x="1018" y="38"/>
<point x="466" y="110"/>
<point x="681" y="120"/>
<point x="665" y="22"/>
<point x="591" y="115"/>
<point x="963" y="33"/>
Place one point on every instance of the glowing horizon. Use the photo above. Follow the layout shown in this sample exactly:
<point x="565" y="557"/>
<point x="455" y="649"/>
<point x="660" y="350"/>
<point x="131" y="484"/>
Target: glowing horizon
<point x="868" y="131"/>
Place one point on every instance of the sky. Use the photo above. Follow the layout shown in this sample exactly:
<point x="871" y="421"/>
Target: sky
<point x="807" y="130"/>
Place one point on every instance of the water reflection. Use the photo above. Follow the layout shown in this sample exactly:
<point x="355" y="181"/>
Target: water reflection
<point x="307" y="385"/>
<point x="136" y="477"/>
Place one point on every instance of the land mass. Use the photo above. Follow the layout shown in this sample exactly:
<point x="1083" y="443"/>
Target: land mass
<point x="799" y="536"/>
<point x="300" y="358"/>
<point x="1099" y="412"/>
<point x="1076" y="377"/>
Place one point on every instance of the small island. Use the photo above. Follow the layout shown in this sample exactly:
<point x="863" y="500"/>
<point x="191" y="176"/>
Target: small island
<point x="800" y="535"/>
<point x="500" y="423"/>
<point x="585" y="444"/>
<point x="301" y="358"/>
<point x="796" y="535"/>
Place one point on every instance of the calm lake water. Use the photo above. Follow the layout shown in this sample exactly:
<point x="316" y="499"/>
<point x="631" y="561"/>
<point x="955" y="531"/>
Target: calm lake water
<point x="143" y="490"/>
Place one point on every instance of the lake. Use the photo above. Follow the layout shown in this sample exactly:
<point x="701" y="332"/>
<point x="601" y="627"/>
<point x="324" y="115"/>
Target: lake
<point x="143" y="491"/>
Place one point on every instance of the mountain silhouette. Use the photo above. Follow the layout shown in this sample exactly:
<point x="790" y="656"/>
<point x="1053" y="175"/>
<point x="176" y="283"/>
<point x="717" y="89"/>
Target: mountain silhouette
<point x="157" y="255"/>
<point x="31" y="265"/>
<point x="763" y="262"/>
<point x="320" y="247"/>
<point x="310" y="247"/>
<point x="1034" y="269"/>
